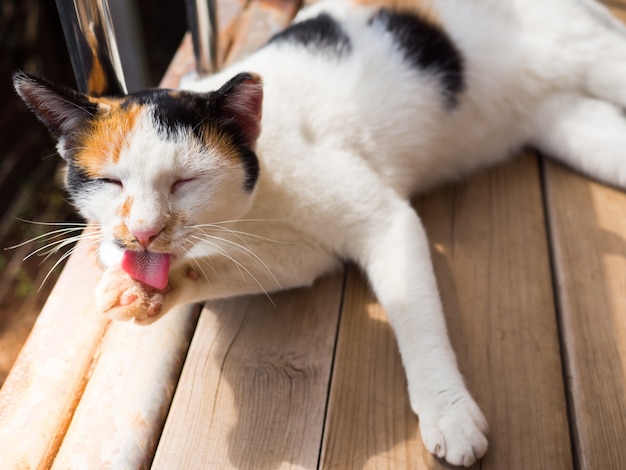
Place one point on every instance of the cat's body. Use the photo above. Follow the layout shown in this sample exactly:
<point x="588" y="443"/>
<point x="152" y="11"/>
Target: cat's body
<point x="355" y="120"/>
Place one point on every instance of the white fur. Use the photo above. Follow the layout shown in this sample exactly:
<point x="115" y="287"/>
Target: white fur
<point x="346" y="142"/>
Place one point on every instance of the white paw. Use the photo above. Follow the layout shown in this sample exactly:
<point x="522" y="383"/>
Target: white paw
<point x="455" y="431"/>
<point x="123" y="298"/>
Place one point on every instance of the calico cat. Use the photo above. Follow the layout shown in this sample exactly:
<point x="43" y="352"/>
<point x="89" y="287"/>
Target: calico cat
<point x="276" y="170"/>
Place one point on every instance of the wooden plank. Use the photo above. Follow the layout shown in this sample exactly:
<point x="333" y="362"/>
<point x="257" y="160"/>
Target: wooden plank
<point x="120" y="416"/>
<point x="369" y="422"/>
<point x="492" y="263"/>
<point x="253" y="390"/>
<point x="260" y="21"/>
<point x="588" y="230"/>
<point x="620" y="12"/>
<point x="39" y="395"/>
<point x="491" y="260"/>
<point x="614" y="3"/>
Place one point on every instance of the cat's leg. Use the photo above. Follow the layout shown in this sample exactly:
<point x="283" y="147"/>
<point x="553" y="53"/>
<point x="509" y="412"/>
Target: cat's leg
<point x="395" y="254"/>
<point x="262" y="267"/>
<point x="585" y="133"/>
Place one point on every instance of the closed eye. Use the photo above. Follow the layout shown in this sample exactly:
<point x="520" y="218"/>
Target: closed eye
<point x="180" y="183"/>
<point x="111" y="181"/>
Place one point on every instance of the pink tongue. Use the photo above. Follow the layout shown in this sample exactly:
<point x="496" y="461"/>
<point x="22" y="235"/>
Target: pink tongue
<point x="148" y="267"/>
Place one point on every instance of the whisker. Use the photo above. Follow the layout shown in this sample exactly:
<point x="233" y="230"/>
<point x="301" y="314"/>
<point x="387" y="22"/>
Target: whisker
<point x="52" y="247"/>
<point x="254" y="235"/>
<point x="46" y="236"/>
<point x="63" y="258"/>
<point x="239" y="233"/>
<point x="249" y="252"/>
<point x="233" y="221"/>
<point x="52" y="251"/>
<point x="197" y="263"/>
<point x="57" y="224"/>
<point x="223" y="252"/>
<point x="239" y="265"/>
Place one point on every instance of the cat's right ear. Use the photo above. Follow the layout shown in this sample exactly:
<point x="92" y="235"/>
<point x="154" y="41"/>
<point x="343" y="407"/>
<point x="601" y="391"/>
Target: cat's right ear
<point x="63" y="110"/>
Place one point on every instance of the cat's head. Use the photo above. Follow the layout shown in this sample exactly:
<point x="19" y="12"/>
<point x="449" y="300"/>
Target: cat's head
<point x="144" y="165"/>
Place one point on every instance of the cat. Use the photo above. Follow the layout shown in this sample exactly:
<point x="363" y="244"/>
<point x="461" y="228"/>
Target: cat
<point x="276" y="170"/>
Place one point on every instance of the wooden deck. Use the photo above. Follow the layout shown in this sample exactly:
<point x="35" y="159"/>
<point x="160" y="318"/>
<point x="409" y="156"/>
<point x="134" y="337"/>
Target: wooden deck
<point x="531" y="263"/>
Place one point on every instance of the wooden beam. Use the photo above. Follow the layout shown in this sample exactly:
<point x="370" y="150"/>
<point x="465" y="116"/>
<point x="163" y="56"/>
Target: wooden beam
<point x="588" y="230"/>
<point x="253" y="389"/>
<point x="38" y="398"/>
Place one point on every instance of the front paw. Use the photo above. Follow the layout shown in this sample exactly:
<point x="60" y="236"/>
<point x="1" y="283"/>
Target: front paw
<point x="123" y="298"/>
<point x="453" y="428"/>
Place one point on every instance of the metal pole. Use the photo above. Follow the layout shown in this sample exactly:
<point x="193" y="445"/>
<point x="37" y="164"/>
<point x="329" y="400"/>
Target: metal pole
<point x="92" y="46"/>
<point x="202" y="21"/>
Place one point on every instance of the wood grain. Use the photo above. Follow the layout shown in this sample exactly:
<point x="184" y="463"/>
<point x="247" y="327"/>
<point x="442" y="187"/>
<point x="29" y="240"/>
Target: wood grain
<point x="39" y="396"/>
<point x="589" y="242"/>
<point x="120" y="415"/>
<point x="491" y="259"/>
<point x="253" y="389"/>
<point x="369" y="423"/>
<point x="492" y="263"/>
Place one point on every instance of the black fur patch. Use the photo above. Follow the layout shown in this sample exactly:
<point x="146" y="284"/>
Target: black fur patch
<point x="176" y="110"/>
<point x="173" y="110"/>
<point x="320" y="34"/>
<point x="77" y="181"/>
<point x="427" y="47"/>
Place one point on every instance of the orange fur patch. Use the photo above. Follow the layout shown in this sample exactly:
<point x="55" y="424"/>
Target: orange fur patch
<point x="126" y="207"/>
<point x="122" y="234"/>
<point x="214" y="139"/>
<point x="107" y="136"/>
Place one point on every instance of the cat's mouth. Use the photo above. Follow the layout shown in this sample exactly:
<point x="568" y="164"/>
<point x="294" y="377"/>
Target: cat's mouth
<point x="149" y="267"/>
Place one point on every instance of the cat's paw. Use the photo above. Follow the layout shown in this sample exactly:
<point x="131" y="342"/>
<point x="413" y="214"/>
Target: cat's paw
<point x="123" y="298"/>
<point x="455" y="431"/>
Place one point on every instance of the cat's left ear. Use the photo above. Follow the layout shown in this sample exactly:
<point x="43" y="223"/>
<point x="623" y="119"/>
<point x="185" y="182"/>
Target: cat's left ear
<point x="63" y="110"/>
<point x="241" y="99"/>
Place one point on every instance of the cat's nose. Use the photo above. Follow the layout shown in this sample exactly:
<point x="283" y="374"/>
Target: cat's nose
<point x="145" y="237"/>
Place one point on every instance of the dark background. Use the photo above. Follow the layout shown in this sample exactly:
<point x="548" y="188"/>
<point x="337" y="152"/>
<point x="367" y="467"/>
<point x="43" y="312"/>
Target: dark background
<point x="31" y="39"/>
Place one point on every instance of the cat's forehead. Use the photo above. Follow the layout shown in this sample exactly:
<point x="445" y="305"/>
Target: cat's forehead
<point x="152" y="124"/>
<point x="171" y="110"/>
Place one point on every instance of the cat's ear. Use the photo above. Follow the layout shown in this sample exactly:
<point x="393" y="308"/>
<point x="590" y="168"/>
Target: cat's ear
<point x="241" y="99"/>
<point x="63" y="110"/>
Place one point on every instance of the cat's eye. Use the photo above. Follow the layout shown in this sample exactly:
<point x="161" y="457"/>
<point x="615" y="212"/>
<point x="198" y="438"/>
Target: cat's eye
<point x="180" y="183"/>
<point x="111" y="181"/>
